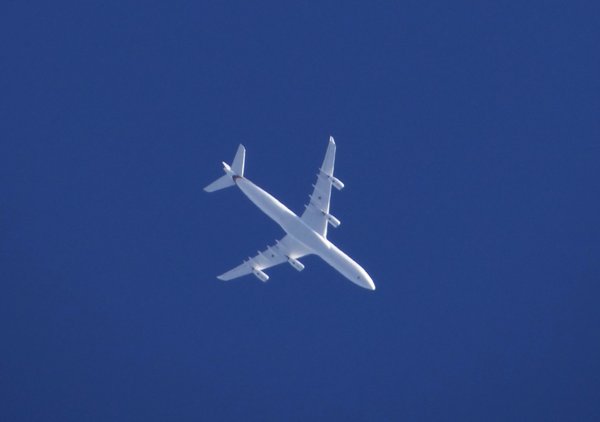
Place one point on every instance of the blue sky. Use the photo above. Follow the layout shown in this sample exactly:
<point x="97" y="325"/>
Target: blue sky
<point x="468" y="140"/>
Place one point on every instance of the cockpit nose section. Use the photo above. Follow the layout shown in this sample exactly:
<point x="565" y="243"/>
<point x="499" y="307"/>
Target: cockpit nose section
<point x="364" y="280"/>
<point x="348" y="267"/>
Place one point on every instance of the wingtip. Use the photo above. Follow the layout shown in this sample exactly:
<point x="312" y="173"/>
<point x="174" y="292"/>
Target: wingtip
<point x="331" y="140"/>
<point x="220" y="277"/>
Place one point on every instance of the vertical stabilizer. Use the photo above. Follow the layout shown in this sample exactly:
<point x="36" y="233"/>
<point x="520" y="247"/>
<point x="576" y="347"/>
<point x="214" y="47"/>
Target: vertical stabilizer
<point x="238" y="162"/>
<point x="236" y="169"/>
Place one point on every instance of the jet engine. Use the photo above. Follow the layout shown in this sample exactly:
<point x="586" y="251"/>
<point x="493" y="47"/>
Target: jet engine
<point x="337" y="183"/>
<point x="298" y="266"/>
<point x="333" y="221"/>
<point x="260" y="275"/>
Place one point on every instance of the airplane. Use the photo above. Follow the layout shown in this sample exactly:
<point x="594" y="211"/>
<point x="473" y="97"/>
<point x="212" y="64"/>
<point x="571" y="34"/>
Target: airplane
<point x="305" y="235"/>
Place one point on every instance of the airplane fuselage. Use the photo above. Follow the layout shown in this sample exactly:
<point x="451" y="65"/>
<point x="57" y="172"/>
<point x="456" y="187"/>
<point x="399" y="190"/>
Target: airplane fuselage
<point x="295" y="227"/>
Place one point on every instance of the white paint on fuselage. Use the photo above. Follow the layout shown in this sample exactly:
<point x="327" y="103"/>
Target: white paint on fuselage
<point x="295" y="227"/>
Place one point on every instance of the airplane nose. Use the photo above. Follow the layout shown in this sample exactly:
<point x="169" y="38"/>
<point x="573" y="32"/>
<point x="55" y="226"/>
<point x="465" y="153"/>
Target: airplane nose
<point x="367" y="281"/>
<point x="371" y="285"/>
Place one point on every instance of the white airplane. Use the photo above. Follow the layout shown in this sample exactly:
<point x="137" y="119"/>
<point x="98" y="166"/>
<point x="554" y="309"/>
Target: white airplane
<point x="306" y="235"/>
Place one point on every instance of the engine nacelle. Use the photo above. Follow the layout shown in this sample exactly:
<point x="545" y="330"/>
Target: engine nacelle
<point x="333" y="221"/>
<point x="337" y="183"/>
<point x="298" y="266"/>
<point x="260" y="275"/>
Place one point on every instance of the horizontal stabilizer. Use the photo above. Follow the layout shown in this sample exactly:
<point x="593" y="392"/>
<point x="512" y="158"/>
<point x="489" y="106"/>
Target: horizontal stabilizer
<point x="222" y="182"/>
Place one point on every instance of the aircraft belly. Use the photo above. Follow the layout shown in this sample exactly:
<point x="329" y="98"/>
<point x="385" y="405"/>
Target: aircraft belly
<point x="303" y="234"/>
<point x="267" y="203"/>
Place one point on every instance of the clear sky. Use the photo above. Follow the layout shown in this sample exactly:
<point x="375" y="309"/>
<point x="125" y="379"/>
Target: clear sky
<point x="468" y="139"/>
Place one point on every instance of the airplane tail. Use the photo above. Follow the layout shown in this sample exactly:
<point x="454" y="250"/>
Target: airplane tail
<point x="236" y="169"/>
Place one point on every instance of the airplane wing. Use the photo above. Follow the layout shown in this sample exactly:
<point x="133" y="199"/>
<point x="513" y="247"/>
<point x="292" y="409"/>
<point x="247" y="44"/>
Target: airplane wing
<point x="317" y="214"/>
<point x="287" y="249"/>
